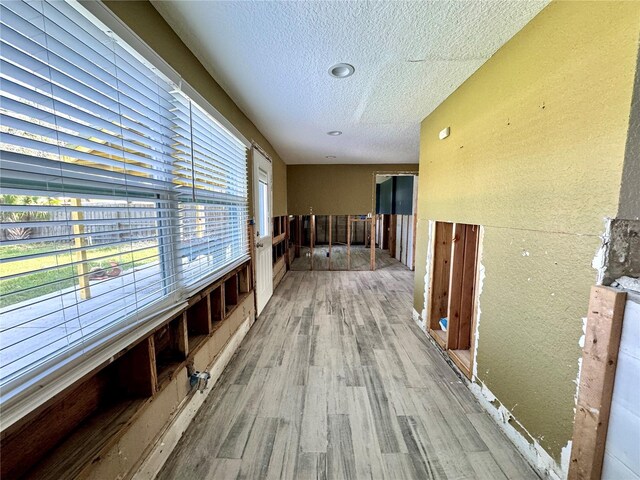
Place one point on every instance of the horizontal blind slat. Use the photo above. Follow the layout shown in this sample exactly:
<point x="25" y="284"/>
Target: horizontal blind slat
<point x="106" y="167"/>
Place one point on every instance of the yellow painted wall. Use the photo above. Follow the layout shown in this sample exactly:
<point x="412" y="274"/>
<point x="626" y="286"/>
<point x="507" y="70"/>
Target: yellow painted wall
<point x="535" y="155"/>
<point x="335" y="189"/>
<point x="279" y="188"/>
<point x="149" y="25"/>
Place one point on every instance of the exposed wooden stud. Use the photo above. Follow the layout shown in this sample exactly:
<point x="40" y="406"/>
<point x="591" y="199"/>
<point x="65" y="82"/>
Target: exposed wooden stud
<point x="399" y="258"/>
<point x="599" y="360"/>
<point x="287" y="237"/>
<point x="438" y="294"/>
<point x="348" y="242"/>
<point x="413" y="247"/>
<point x="372" y="243"/>
<point x="299" y="235"/>
<point x="440" y="336"/>
<point x="180" y="341"/>
<point x="244" y="279"/>
<point x="330" y="232"/>
<point x="217" y="297"/>
<point x="137" y="375"/>
<point x="312" y="238"/>
<point x="24" y="445"/>
<point x="392" y="234"/>
<point x="468" y="286"/>
<point x="462" y="359"/>
<point x="67" y="435"/>
<point x="455" y="284"/>
<point x="231" y="292"/>
<point x="199" y="322"/>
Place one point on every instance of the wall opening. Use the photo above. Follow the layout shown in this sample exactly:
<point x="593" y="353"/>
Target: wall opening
<point x="396" y="215"/>
<point x="452" y="293"/>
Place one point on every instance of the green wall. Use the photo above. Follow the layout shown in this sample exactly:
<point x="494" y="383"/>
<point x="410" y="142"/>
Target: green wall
<point x="149" y="25"/>
<point x="385" y="197"/>
<point x="335" y="189"/>
<point x="535" y="155"/>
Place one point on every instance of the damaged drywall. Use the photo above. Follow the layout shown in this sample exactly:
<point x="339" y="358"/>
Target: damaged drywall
<point x="528" y="446"/>
<point x="541" y="181"/>
<point x="428" y="268"/>
<point x="623" y="252"/>
<point x="599" y="262"/>
<point x="479" y="284"/>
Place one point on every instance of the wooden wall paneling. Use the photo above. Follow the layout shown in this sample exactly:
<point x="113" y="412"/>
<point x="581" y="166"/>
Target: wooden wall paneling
<point x="24" y="446"/>
<point x="599" y="360"/>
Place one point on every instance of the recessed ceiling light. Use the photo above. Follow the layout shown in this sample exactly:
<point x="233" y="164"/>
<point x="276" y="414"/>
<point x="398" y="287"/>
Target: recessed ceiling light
<point x="334" y="133"/>
<point x="341" y="70"/>
<point x="330" y="156"/>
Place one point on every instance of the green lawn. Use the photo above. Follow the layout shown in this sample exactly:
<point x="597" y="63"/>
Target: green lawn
<point x="48" y="281"/>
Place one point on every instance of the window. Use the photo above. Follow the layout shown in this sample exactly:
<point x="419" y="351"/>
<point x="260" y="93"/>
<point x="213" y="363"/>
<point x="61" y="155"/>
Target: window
<point x="120" y="195"/>
<point x="263" y="213"/>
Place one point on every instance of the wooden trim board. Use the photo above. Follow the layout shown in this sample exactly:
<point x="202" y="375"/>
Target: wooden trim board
<point x="599" y="360"/>
<point x="462" y="359"/>
<point x="440" y="336"/>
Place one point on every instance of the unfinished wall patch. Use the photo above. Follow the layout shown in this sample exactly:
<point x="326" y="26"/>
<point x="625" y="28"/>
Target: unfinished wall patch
<point x="428" y="267"/>
<point x="623" y="254"/>
<point x="599" y="262"/>
<point x="479" y="285"/>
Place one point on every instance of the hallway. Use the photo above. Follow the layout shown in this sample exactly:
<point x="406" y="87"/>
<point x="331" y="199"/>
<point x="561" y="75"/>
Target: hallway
<point x="336" y="381"/>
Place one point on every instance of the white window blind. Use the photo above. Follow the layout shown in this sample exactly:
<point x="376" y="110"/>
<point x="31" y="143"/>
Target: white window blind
<point x="119" y="194"/>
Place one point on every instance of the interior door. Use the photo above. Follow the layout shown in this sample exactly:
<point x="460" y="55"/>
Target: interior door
<point x="262" y="200"/>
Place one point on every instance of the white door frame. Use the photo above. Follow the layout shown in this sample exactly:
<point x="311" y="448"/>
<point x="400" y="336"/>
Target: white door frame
<point x="263" y="173"/>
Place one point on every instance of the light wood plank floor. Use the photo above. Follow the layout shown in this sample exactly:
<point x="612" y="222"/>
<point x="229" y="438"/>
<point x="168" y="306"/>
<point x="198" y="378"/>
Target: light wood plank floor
<point x="335" y="381"/>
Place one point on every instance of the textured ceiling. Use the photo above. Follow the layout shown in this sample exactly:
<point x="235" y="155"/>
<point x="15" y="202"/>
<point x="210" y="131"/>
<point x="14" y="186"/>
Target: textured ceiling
<point x="272" y="58"/>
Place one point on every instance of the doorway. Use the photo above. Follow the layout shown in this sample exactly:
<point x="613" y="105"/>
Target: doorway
<point x="396" y="199"/>
<point x="262" y="204"/>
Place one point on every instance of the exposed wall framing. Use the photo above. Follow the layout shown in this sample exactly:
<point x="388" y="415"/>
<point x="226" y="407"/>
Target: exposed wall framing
<point x="281" y="255"/>
<point x="452" y="291"/>
<point x="72" y="434"/>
